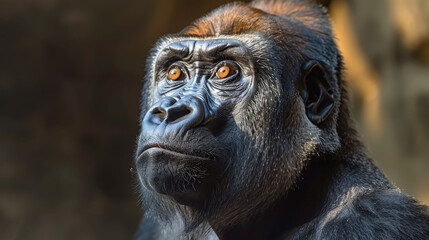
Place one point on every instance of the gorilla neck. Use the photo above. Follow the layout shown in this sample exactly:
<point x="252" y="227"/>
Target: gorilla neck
<point x="299" y="206"/>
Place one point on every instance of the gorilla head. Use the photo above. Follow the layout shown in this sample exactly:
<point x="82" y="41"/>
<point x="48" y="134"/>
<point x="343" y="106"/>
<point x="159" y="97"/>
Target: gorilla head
<point x="243" y="111"/>
<point x="233" y="109"/>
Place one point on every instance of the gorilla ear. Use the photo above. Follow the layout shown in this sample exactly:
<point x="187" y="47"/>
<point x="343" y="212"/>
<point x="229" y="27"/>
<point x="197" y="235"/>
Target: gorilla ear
<point x="316" y="93"/>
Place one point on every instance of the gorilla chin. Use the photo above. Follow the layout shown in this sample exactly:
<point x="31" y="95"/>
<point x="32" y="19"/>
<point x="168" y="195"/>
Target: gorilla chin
<point x="183" y="176"/>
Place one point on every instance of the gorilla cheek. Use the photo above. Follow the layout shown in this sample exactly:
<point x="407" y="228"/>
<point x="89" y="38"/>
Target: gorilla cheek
<point x="187" y="179"/>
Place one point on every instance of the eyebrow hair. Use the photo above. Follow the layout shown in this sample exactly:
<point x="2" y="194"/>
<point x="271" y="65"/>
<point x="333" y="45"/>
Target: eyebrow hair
<point x="177" y="49"/>
<point x="220" y="48"/>
<point x="171" y="53"/>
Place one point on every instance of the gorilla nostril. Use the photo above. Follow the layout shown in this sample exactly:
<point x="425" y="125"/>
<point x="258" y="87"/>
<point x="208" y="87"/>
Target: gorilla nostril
<point x="159" y="112"/>
<point x="178" y="114"/>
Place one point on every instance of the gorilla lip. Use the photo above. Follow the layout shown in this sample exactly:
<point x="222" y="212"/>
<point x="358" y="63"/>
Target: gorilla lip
<point x="176" y="150"/>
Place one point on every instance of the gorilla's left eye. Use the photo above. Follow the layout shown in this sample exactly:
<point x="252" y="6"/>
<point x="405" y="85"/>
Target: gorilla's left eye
<point x="175" y="73"/>
<point x="225" y="71"/>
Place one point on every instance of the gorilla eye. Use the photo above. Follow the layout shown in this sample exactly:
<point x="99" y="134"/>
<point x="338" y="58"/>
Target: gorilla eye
<point x="175" y="74"/>
<point x="223" y="71"/>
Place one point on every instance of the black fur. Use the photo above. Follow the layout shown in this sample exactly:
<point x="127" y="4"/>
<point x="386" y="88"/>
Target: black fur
<point x="269" y="153"/>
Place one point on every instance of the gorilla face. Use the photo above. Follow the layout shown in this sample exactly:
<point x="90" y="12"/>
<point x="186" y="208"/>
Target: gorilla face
<point x="185" y="144"/>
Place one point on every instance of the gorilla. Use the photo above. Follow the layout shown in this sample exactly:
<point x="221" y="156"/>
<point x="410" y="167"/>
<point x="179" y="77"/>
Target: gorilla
<point x="246" y="134"/>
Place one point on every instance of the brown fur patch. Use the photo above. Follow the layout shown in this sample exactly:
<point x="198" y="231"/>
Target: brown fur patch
<point x="259" y="16"/>
<point x="232" y="20"/>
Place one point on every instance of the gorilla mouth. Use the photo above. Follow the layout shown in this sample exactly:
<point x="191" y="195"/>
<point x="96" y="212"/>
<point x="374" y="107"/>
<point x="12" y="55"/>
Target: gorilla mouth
<point x="194" y="153"/>
<point x="186" y="176"/>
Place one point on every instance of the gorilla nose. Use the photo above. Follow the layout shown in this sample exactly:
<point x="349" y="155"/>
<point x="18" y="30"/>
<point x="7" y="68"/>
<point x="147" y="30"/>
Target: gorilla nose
<point x="172" y="114"/>
<point x="175" y="115"/>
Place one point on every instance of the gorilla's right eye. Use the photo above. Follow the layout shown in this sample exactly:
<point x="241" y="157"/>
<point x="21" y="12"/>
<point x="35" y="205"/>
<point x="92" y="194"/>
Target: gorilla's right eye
<point x="223" y="72"/>
<point x="226" y="70"/>
<point x="175" y="73"/>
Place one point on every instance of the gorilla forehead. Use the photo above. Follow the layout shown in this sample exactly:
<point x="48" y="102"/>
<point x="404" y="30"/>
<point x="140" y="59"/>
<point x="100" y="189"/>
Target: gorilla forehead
<point x="210" y="48"/>
<point x="242" y="45"/>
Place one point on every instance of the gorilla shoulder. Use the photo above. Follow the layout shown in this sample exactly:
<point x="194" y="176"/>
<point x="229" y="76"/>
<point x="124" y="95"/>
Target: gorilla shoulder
<point x="375" y="214"/>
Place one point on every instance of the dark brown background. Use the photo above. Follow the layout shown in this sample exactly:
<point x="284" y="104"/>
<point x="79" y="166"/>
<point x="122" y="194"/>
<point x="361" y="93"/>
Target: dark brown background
<point x="70" y="79"/>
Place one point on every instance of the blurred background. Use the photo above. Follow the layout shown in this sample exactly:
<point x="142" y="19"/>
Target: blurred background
<point x="70" y="79"/>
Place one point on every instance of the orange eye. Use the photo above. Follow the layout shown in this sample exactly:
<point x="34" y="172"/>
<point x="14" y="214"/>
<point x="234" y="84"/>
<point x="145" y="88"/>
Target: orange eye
<point x="223" y="72"/>
<point x="174" y="73"/>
